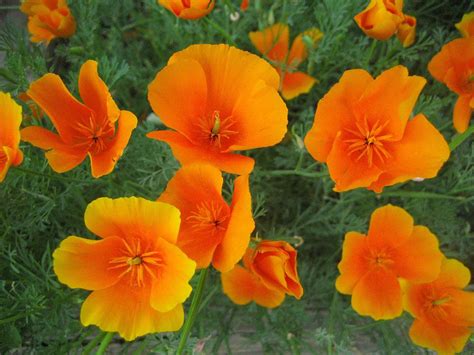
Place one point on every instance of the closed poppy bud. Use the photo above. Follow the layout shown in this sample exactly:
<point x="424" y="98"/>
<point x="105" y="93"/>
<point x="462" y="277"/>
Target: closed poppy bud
<point x="10" y="120"/>
<point x="381" y="18"/>
<point x="48" y="19"/>
<point x="393" y="249"/>
<point x="96" y="128"/>
<point x="407" y="31"/>
<point x="188" y="9"/>
<point x="268" y="274"/>
<point x="466" y="25"/>
<point x="443" y="309"/>
<point x="244" y="5"/>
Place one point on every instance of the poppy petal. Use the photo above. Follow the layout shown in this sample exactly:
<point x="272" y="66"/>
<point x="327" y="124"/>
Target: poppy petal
<point x="242" y="287"/>
<point x="128" y="217"/>
<point x="85" y="263"/>
<point x="422" y="245"/>
<point x="64" y="159"/>
<point x="462" y="113"/>
<point x="170" y="287"/>
<point x="130" y="314"/>
<point x="295" y="84"/>
<point x="272" y="42"/>
<point x="377" y="21"/>
<point x="354" y="264"/>
<point x="10" y="121"/>
<point x="299" y="50"/>
<point x="52" y="96"/>
<point x="453" y="274"/>
<point x="335" y="111"/>
<point x="421" y="153"/>
<point x="186" y="153"/>
<point x="378" y="295"/>
<point x="104" y="162"/>
<point x="390" y="227"/>
<point x="95" y="93"/>
<point x="41" y="137"/>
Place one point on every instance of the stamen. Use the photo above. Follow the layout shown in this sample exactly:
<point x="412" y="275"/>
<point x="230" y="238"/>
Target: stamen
<point x="209" y="217"/>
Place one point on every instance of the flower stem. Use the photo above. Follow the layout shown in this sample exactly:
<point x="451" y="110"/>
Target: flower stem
<point x="193" y="311"/>
<point x="88" y="349"/>
<point x="460" y="138"/>
<point x="54" y="177"/>
<point x="104" y="343"/>
<point x="307" y="174"/>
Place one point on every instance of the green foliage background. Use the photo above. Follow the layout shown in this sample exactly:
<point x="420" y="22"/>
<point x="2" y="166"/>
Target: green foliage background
<point x="292" y="194"/>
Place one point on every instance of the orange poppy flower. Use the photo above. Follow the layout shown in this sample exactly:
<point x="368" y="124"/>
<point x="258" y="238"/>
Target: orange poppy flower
<point x="443" y="312"/>
<point x="82" y="129"/>
<point x="269" y="272"/>
<point x="188" y="9"/>
<point x="383" y="18"/>
<point x="139" y="277"/>
<point x="10" y="120"/>
<point x="211" y="229"/>
<point x="232" y="104"/>
<point x="48" y="19"/>
<point x="371" y="265"/>
<point x="466" y="25"/>
<point x="362" y="131"/>
<point x="244" y="5"/>
<point x="273" y="42"/>
<point x="454" y="67"/>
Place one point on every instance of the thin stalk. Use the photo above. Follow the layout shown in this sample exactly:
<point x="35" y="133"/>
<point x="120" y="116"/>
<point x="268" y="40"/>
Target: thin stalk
<point x="192" y="311"/>
<point x="104" y="343"/>
<point x="54" y="177"/>
<point x="9" y="7"/>
<point x="221" y="30"/>
<point x="87" y="350"/>
<point x="422" y="194"/>
<point x="458" y="139"/>
<point x="293" y="172"/>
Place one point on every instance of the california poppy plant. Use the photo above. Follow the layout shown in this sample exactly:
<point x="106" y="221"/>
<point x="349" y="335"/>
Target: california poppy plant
<point x="83" y="129"/>
<point x="372" y="264"/>
<point x="269" y="273"/>
<point x="10" y="120"/>
<point x="383" y="18"/>
<point x="363" y="132"/>
<point x="48" y="19"/>
<point x="232" y="104"/>
<point x="273" y="43"/>
<point x="443" y="311"/>
<point x="466" y="25"/>
<point x="244" y="5"/>
<point x="211" y="229"/>
<point x="188" y="9"/>
<point x="454" y="67"/>
<point x="139" y="277"/>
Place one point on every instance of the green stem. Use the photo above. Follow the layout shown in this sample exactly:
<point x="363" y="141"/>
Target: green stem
<point x="13" y="318"/>
<point x="104" y="343"/>
<point x="54" y="177"/>
<point x="293" y="172"/>
<point x="10" y="7"/>
<point x="87" y="350"/>
<point x="458" y="139"/>
<point x="422" y="194"/>
<point x="221" y="30"/>
<point x="192" y="311"/>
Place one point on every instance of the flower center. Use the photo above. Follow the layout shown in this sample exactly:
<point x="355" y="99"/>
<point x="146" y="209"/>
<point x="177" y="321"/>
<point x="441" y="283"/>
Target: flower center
<point x="210" y="217"/>
<point x="94" y="136"/>
<point x="381" y="258"/>
<point x="436" y="303"/>
<point x="368" y="142"/>
<point x="138" y="263"/>
<point x="216" y="130"/>
<point x="3" y="157"/>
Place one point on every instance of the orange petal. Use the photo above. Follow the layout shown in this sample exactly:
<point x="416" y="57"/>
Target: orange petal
<point x="335" y="111"/>
<point x="85" y="263"/>
<point x="453" y="274"/>
<point x="244" y="5"/>
<point x="422" y="245"/>
<point x="299" y="50"/>
<point x="241" y="225"/>
<point x="354" y="264"/>
<point x="295" y="84"/>
<point x="462" y="113"/>
<point x="130" y="314"/>
<point x="390" y="100"/>
<point x="186" y="153"/>
<point x="272" y="42"/>
<point x="378" y="295"/>
<point x="50" y="93"/>
<point x="439" y="336"/>
<point x="421" y="153"/>
<point x="41" y="137"/>
<point x="461" y="308"/>
<point x="347" y="172"/>
<point x="7" y="156"/>
<point x="104" y="162"/>
<point x="130" y="217"/>
<point x="184" y="78"/>
<point x="194" y="10"/>
<point x="390" y="227"/>
<point x="170" y="287"/>
<point x="466" y="25"/>
<point x="407" y="31"/>
<point x="95" y="94"/>
<point x="64" y="159"/>
<point x="10" y="121"/>
<point x="377" y="21"/>
<point x="242" y="287"/>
